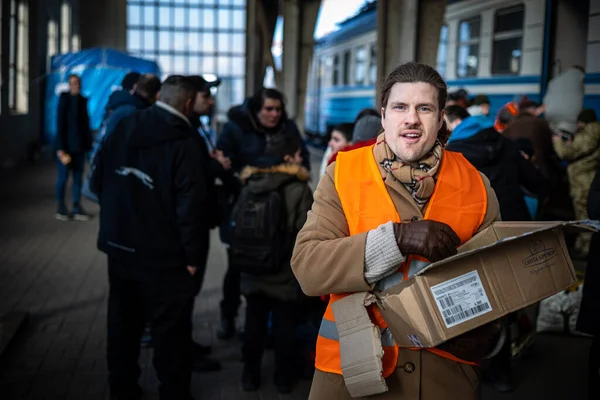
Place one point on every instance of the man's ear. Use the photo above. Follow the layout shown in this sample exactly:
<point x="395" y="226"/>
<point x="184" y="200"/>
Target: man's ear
<point x="288" y="159"/>
<point x="442" y="119"/>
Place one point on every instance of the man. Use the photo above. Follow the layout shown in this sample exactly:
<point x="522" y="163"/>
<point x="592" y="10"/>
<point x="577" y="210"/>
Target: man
<point x="116" y="98"/>
<point x="581" y="150"/>
<point x="150" y="180"/>
<point x="520" y="122"/>
<point x="73" y="140"/>
<point x="353" y="238"/>
<point x="143" y="96"/>
<point x="496" y="157"/>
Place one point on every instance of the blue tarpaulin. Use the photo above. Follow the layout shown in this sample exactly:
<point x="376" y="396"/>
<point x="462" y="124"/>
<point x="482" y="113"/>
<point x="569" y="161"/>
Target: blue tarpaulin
<point x="101" y="71"/>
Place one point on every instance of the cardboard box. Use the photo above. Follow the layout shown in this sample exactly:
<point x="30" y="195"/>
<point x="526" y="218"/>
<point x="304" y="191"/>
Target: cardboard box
<point x="502" y="269"/>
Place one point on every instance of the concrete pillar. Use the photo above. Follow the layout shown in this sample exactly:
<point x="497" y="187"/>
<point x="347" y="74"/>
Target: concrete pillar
<point x="291" y="53"/>
<point x="407" y="30"/>
<point x="254" y="46"/>
<point x="299" y="20"/>
<point x="104" y="24"/>
<point x="261" y="17"/>
<point x="431" y="19"/>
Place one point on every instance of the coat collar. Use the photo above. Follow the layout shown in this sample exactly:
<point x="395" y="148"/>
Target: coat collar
<point x="173" y="111"/>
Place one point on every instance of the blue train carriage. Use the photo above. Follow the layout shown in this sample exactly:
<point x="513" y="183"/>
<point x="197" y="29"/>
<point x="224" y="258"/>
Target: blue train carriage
<point x="505" y="49"/>
<point x="343" y="73"/>
<point x="508" y="49"/>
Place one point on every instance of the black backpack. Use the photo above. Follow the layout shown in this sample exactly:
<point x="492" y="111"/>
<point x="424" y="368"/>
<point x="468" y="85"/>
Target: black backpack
<point x="260" y="239"/>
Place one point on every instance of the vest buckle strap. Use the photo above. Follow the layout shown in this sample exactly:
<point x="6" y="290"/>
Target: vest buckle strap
<point x="361" y="350"/>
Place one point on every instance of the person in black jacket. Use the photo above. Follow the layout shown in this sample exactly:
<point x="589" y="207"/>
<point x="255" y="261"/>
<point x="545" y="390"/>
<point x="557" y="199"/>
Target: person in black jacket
<point x="588" y="320"/>
<point x="73" y="140"/>
<point x="498" y="158"/>
<point x="243" y="140"/>
<point x="149" y="177"/>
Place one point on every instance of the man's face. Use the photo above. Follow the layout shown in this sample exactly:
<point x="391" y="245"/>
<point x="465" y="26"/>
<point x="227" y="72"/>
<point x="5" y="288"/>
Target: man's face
<point x="270" y="113"/>
<point x="338" y="141"/>
<point x="203" y="104"/>
<point x="412" y="120"/>
<point x="74" y="85"/>
<point x="485" y="109"/>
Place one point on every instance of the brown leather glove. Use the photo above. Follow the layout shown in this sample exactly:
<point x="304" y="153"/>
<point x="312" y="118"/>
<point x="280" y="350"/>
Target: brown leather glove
<point x="475" y="344"/>
<point x="430" y="239"/>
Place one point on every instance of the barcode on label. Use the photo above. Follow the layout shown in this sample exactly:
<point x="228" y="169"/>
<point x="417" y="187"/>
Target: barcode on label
<point x="456" y="314"/>
<point x="461" y="299"/>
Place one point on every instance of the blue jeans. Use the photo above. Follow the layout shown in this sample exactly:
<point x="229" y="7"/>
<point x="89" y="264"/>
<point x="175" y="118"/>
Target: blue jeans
<point x="76" y="168"/>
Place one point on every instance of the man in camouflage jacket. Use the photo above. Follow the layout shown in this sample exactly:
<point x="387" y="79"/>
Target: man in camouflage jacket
<point x="582" y="152"/>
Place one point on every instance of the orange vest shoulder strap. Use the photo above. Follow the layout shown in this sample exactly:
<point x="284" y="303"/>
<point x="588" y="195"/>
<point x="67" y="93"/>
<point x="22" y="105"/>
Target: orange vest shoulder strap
<point x="362" y="191"/>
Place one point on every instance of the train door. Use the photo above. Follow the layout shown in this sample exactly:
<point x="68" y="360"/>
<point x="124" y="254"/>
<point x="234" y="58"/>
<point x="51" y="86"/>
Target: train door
<point x="568" y="46"/>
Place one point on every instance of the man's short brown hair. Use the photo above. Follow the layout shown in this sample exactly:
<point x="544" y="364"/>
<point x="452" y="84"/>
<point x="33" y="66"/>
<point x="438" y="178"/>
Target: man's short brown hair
<point x="412" y="72"/>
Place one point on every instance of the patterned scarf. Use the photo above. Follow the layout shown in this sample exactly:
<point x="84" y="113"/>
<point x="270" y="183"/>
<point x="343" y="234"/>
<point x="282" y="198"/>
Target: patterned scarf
<point x="419" y="179"/>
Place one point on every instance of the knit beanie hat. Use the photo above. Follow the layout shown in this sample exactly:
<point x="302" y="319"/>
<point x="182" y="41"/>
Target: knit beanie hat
<point x="366" y="128"/>
<point x="587" y="116"/>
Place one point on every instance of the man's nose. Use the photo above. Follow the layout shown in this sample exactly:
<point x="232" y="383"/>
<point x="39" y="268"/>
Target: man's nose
<point x="412" y="117"/>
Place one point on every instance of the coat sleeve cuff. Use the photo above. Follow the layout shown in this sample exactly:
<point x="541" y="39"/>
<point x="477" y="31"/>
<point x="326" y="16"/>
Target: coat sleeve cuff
<point x="382" y="255"/>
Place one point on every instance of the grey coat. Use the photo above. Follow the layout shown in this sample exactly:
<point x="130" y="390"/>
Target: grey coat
<point x="298" y="197"/>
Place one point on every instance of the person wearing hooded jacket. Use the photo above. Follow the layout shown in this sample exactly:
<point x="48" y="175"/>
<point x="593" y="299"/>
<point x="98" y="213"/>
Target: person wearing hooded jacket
<point x="498" y="158"/>
<point x="277" y="292"/>
<point x="243" y="140"/>
<point x="581" y="150"/>
<point x="150" y="179"/>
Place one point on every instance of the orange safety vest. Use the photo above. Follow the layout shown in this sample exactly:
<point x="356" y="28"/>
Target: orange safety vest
<point x="459" y="200"/>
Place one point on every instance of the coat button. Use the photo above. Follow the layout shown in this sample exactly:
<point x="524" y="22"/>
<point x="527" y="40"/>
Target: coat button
<point x="409" y="367"/>
<point x="413" y="219"/>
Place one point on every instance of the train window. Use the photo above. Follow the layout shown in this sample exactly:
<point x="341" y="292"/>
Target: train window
<point x="347" y="56"/>
<point x="327" y="72"/>
<point x="336" y="70"/>
<point x="442" y="54"/>
<point x="508" y="41"/>
<point x="468" y="47"/>
<point x="373" y="64"/>
<point x="360" y="65"/>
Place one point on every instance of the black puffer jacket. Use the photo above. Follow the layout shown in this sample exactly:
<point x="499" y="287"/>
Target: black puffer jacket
<point x="508" y="171"/>
<point x="244" y="141"/>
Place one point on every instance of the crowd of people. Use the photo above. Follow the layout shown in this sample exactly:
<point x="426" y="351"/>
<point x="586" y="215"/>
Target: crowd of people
<point x="163" y="182"/>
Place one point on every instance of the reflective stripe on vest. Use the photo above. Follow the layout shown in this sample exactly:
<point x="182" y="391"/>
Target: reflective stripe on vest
<point x="459" y="200"/>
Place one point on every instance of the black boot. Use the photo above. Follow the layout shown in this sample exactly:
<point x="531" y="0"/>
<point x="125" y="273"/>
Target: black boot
<point x="283" y="382"/>
<point x="250" y="379"/>
<point x="227" y="329"/>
